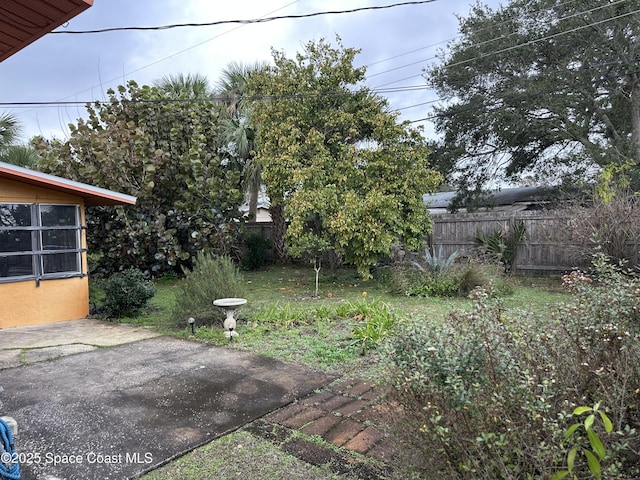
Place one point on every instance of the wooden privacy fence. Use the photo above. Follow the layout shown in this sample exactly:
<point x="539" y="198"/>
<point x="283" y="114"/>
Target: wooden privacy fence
<point x="545" y="250"/>
<point x="542" y="252"/>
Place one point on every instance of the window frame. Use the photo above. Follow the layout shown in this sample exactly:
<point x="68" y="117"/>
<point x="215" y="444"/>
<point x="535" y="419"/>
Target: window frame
<point x="39" y="252"/>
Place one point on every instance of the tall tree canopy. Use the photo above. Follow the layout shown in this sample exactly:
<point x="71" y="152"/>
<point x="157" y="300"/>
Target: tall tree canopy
<point x="165" y="152"/>
<point x="337" y="164"/>
<point x="540" y="87"/>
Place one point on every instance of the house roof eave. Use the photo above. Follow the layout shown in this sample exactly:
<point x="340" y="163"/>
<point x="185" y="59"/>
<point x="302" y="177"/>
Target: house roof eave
<point x="92" y="195"/>
<point x="25" y="21"/>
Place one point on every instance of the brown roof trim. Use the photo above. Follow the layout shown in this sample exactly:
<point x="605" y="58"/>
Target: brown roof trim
<point x="92" y="195"/>
<point x="22" y="22"/>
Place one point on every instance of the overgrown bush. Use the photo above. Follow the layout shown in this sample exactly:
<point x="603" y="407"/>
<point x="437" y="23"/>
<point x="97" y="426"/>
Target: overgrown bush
<point x="257" y="251"/>
<point x="489" y="396"/>
<point x="212" y="277"/>
<point x="612" y="226"/>
<point x="126" y="292"/>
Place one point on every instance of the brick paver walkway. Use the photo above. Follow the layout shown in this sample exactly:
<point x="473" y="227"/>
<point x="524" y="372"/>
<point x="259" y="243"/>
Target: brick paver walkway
<point x="344" y="414"/>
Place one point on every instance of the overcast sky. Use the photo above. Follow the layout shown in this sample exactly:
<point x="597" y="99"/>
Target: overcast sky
<point x="396" y="44"/>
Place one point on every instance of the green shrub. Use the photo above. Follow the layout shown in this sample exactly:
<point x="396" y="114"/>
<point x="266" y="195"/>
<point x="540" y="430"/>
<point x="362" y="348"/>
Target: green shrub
<point x="126" y="292"/>
<point x="446" y="285"/>
<point x="502" y="244"/>
<point x="454" y="280"/>
<point x="257" y="251"/>
<point x="490" y="396"/>
<point x="212" y="277"/>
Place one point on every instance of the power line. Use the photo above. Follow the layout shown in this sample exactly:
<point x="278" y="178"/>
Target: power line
<point x="502" y="37"/>
<point x="567" y="2"/>
<point x="468" y="108"/>
<point x="218" y="99"/>
<point x="247" y="21"/>
<point x="379" y="89"/>
<point x="484" y="55"/>
<point x="547" y="37"/>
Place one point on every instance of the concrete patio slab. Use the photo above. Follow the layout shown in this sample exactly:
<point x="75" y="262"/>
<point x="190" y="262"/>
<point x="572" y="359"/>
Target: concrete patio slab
<point x="37" y="343"/>
<point x="118" y="412"/>
<point x="88" y="331"/>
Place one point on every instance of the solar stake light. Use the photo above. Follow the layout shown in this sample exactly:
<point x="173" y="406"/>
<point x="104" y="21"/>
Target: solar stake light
<point x="192" y="322"/>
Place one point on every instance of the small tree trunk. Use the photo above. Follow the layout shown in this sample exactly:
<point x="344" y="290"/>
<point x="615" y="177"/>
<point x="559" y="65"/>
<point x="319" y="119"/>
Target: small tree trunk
<point x="253" y="206"/>
<point x="635" y="118"/>
<point x="279" y="231"/>
<point x="317" y="265"/>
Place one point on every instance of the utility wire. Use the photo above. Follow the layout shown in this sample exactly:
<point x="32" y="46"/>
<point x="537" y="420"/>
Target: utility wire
<point x="502" y="37"/>
<point x="220" y="99"/>
<point x="496" y="102"/>
<point x="375" y="90"/>
<point x="547" y="37"/>
<point x="484" y="55"/>
<point x="568" y="2"/>
<point x="248" y="21"/>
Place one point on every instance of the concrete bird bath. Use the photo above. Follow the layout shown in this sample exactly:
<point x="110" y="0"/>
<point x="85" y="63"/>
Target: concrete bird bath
<point x="230" y="305"/>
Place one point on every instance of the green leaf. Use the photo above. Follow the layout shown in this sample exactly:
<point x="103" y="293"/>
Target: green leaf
<point x="571" y="458"/>
<point x="596" y="444"/>
<point x="594" y="464"/>
<point x="581" y="410"/>
<point x="588" y="422"/>
<point x="608" y="426"/>
<point x="571" y="430"/>
<point x="559" y="475"/>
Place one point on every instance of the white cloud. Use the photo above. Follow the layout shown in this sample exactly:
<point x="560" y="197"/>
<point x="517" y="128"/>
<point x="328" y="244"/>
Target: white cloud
<point x="82" y="67"/>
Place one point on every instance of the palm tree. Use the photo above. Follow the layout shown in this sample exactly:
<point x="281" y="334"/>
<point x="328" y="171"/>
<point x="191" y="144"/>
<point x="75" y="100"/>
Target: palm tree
<point x="185" y="86"/>
<point x="10" y="151"/>
<point x="21" y="155"/>
<point x="232" y="86"/>
<point x="238" y="128"/>
<point x="9" y="131"/>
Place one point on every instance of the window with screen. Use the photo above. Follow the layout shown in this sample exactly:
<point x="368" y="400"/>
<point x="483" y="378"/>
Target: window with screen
<point x="39" y="241"/>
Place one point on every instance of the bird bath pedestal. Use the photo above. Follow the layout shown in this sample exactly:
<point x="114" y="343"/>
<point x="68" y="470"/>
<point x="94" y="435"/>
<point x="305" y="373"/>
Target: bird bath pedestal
<point x="230" y="305"/>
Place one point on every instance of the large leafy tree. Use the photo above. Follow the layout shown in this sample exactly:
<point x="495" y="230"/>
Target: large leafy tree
<point x="540" y="87"/>
<point x="346" y="175"/>
<point x="165" y="153"/>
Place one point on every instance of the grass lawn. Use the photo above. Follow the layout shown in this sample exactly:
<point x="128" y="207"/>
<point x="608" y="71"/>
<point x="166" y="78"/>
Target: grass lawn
<point x="285" y="320"/>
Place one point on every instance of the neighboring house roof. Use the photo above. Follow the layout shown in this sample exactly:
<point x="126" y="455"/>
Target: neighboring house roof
<point x="24" y="21"/>
<point x="518" y="198"/>
<point x="92" y="195"/>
